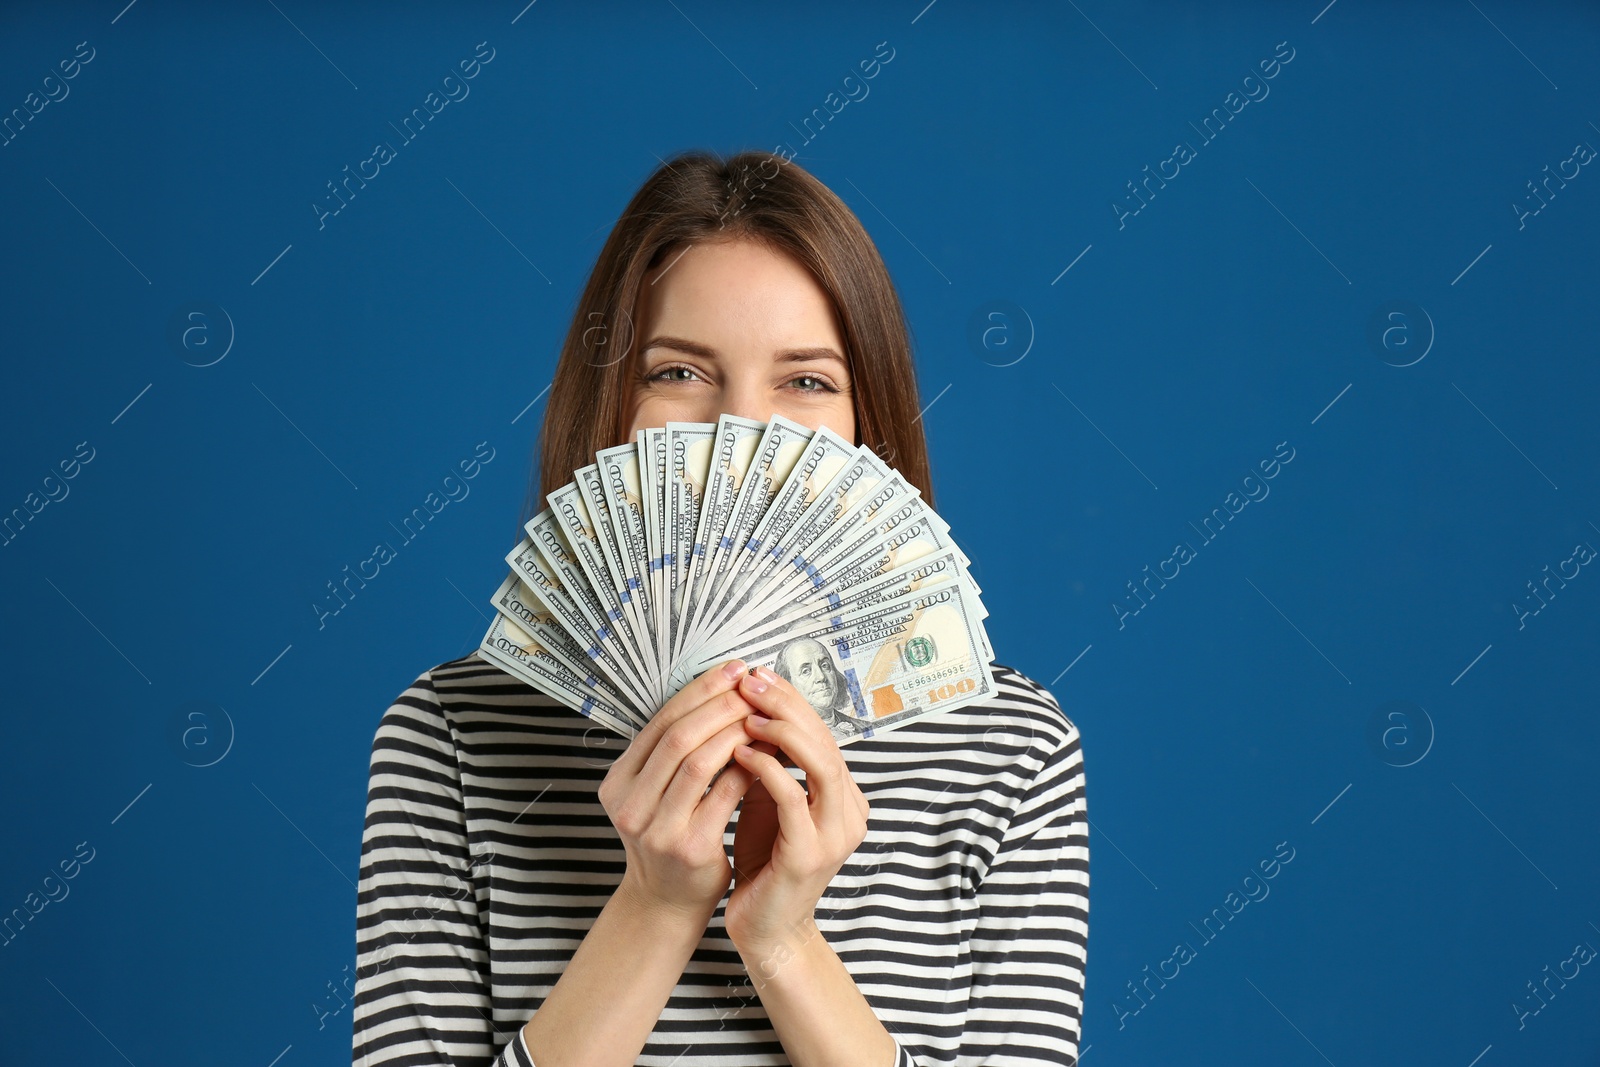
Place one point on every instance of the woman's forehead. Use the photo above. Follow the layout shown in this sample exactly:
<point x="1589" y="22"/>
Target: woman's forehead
<point x="716" y="294"/>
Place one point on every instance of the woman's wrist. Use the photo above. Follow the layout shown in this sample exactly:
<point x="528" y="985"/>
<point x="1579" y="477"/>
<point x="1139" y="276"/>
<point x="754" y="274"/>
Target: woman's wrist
<point x="638" y="904"/>
<point x="609" y="997"/>
<point x="765" y="955"/>
<point x="816" y="1008"/>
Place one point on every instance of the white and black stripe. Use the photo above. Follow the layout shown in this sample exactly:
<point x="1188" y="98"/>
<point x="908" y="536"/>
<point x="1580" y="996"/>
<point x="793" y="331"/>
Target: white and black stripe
<point x="487" y="856"/>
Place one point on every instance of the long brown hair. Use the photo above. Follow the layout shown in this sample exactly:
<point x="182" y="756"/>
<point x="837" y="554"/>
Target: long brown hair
<point x="699" y="197"/>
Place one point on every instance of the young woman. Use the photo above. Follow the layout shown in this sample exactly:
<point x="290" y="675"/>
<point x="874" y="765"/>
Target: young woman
<point x="536" y="890"/>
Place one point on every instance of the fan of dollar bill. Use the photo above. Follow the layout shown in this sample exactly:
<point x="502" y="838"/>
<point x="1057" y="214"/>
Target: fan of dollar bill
<point x="783" y="546"/>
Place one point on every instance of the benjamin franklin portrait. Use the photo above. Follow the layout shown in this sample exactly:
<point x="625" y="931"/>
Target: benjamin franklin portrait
<point x="806" y="664"/>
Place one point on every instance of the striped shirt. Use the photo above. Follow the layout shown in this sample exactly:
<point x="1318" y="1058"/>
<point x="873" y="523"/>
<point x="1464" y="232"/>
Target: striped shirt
<point x="486" y="857"/>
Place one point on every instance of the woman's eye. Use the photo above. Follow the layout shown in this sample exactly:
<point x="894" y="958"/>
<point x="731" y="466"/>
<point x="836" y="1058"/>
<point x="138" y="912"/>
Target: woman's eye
<point x="678" y="373"/>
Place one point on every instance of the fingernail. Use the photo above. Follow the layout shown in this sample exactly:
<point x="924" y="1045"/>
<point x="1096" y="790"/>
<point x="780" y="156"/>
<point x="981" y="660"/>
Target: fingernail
<point x="733" y="669"/>
<point x="757" y="682"/>
<point x="766" y="675"/>
<point x="759" y="719"/>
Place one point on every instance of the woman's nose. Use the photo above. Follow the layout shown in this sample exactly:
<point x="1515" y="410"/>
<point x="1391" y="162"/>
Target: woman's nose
<point x="746" y="399"/>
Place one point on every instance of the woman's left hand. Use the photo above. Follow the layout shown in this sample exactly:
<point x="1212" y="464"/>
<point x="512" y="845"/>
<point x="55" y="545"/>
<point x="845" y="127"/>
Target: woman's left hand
<point x="791" y="839"/>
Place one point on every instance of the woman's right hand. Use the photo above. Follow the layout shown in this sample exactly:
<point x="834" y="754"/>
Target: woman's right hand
<point x="656" y="794"/>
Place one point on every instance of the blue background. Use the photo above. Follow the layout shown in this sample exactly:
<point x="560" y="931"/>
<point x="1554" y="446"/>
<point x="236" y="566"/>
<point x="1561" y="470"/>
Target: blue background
<point x="159" y="615"/>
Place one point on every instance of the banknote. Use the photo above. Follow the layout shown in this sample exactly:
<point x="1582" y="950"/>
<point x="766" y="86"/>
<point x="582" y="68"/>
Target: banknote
<point x="519" y="604"/>
<point x="783" y="545"/>
<point x="688" y="466"/>
<point x="733" y="446"/>
<point x="524" y="656"/>
<point x="822" y="465"/>
<point x="871" y="670"/>
<point x="544" y="561"/>
<point x="775" y="456"/>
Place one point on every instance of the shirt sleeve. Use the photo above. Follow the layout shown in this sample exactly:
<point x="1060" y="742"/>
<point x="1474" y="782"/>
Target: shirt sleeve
<point x="1025" y="1002"/>
<point x="422" y="995"/>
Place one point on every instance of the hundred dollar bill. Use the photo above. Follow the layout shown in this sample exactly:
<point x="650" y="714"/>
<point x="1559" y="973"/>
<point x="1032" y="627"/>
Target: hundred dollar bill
<point x="850" y="488"/>
<point x="624" y="499"/>
<point x="526" y="657"/>
<point x="878" y="509"/>
<point x="545" y="562"/>
<point x="894" y="544"/>
<point x="733" y="446"/>
<point x="653" y="477"/>
<point x="592" y="488"/>
<point x="521" y="605"/>
<point x="835" y="603"/>
<point x="584" y="532"/>
<point x="886" y="532"/>
<point x="775" y="456"/>
<point x="864" y="586"/>
<point x="885" y="665"/>
<point x="901" y="542"/>
<point x="821" y="463"/>
<point x="699" y="542"/>
<point x="688" y="465"/>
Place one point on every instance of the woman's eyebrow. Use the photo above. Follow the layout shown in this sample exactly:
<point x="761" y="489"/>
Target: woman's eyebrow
<point x="694" y="348"/>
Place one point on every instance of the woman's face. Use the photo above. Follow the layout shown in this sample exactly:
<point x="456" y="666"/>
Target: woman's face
<point x="730" y="326"/>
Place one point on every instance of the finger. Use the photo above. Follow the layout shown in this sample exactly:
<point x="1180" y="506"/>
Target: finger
<point x="711" y="817"/>
<point x="795" y="728"/>
<point x="708" y="684"/>
<point x="655" y="779"/>
<point x="834" y="795"/>
<point x="668" y="747"/>
<point x="782" y="700"/>
<point x="794" y="814"/>
<point x="757" y="793"/>
<point x="696" y="770"/>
